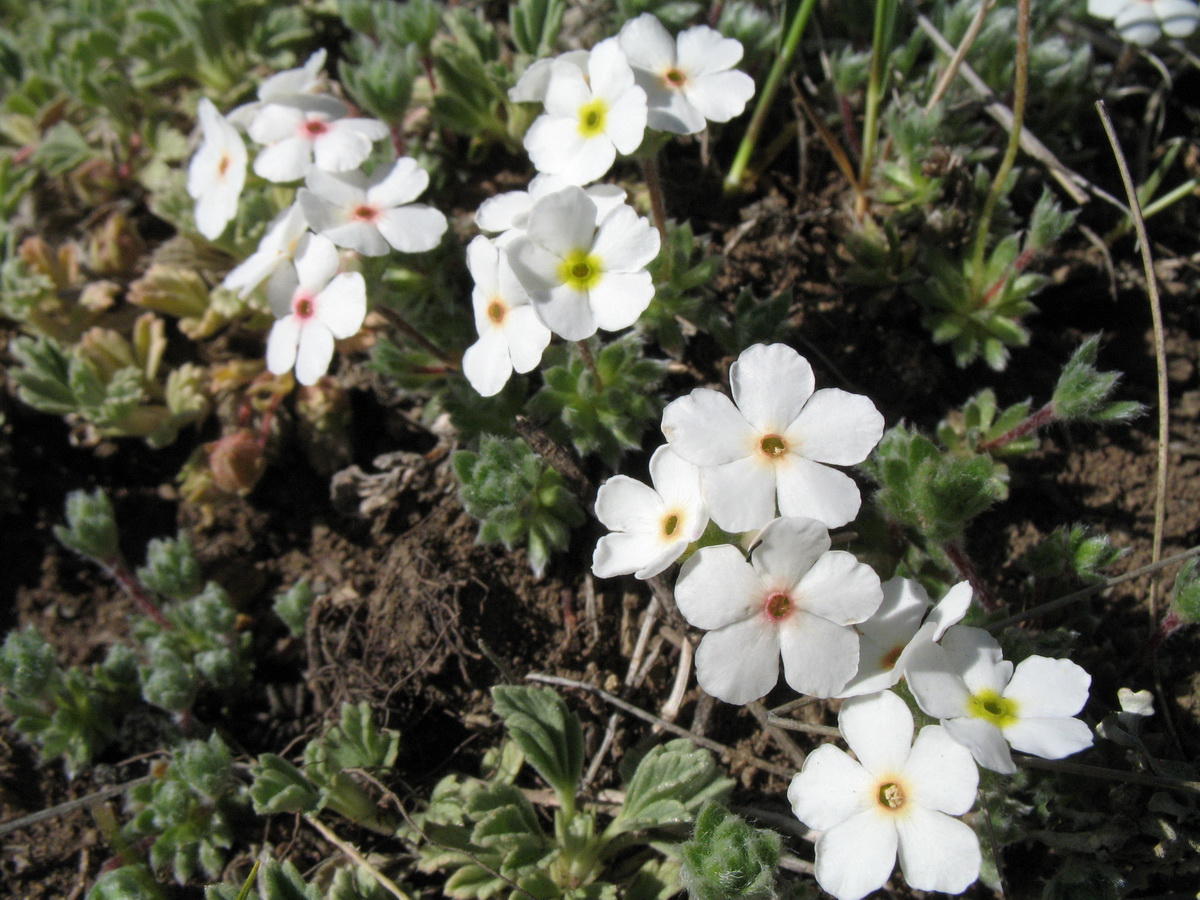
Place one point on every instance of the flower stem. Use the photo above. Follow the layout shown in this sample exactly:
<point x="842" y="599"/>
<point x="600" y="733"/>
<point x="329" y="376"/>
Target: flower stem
<point x="411" y="332"/>
<point x="590" y="361"/>
<point x="737" y="171"/>
<point x="120" y="573"/>
<point x="966" y="568"/>
<point x="1039" y="419"/>
<point x="1020" y="95"/>
<point x="881" y="45"/>
<point x="658" y="200"/>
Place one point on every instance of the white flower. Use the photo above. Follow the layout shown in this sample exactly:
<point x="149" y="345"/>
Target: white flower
<point x="689" y="81"/>
<point x="370" y="213"/>
<point x="505" y="214"/>
<point x="302" y="130"/>
<point x="581" y="276"/>
<point x="890" y="637"/>
<point x="277" y="247"/>
<point x="774" y="441"/>
<point x="651" y="526"/>
<point x="314" y="305"/>
<point x="1144" y="21"/>
<point x="588" y="119"/>
<point x="986" y="706"/>
<point x="217" y="172"/>
<point x="510" y="334"/>
<point x="899" y="796"/>
<point x="795" y="597"/>
<point x="304" y="80"/>
<point x="531" y="87"/>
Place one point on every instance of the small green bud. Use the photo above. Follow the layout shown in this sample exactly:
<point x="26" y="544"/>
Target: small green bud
<point x="728" y="858"/>
<point x="292" y="607"/>
<point x="28" y="666"/>
<point x="91" y="528"/>
<point x="280" y="786"/>
<point x="171" y="568"/>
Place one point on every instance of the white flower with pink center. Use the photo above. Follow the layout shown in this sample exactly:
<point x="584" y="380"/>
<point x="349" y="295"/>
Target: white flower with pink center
<point x="314" y="305"/>
<point x="282" y="85"/>
<point x="304" y="130"/>
<point x="278" y="246"/>
<point x="898" y="798"/>
<point x="217" y="173"/>
<point x="651" y="526"/>
<point x="371" y="214"/>
<point x="774" y="442"/>
<point x="793" y="598"/>
<point x="510" y="335"/>
<point x="688" y="82"/>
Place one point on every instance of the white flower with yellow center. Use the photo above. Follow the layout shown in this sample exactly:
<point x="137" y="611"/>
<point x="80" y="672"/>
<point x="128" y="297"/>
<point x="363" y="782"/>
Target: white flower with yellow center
<point x="899" y="797"/>
<point x="891" y="636"/>
<point x="314" y="305"/>
<point x="582" y="276"/>
<point x="510" y="335"/>
<point x="217" y="173"/>
<point x="774" y="442"/>
<point x="588" y="118"/>
<point x="794" y="598"/>
<point x="277" y="247"/>
<point x="375" y="213"/>
<point x="505" y="215"/>
<point x="987" y="706"/>
<point x="688" y="82"/>
<point x="651" y="526"/>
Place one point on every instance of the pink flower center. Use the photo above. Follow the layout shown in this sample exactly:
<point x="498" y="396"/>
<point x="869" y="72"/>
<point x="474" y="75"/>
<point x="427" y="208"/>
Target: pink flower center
<point x="674" y="78"/>
<point x="314" y="128"/>
<point x="891" y="658"/>
<point x="778" y="606"/>
<point x="303" y="306"/>
<point x="365" y="213"/>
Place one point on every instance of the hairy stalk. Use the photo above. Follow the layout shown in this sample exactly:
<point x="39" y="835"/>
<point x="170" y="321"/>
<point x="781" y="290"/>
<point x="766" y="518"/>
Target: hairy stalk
<point x="119" y="572"/>
<point x="658" y="200"/>
<point x="590" y="361"/>
<point x="881" y="45"/>
<point x="737" y="171"/>
<point x="1039" y="419"/>
<point x="1020" y="95"/>
<point x="958" y="557"/>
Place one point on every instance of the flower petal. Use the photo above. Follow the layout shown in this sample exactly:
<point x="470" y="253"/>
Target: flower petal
<point x="702" y="50"/>
<point x="1048" y="688"/>
<point x="403" y="183"/>
<point x="719" y="96"/>
<point x="342" y="306"/>
<point x="287" y="160"/>
<point x="937" y="852"/>
<point x="563" y="222"/>
<point x="740" y="495"/>
<point x="706" y="429"/>
<point x="840" y="589"/>
<point x="564" y="311"/>
<point x="314" y="353"/>
<point x="770" y="384"/>
<point x="879" y="729"/>
<point x="486" y="363"/>
<point x="625" y="241"/>
<point x="527" y="337"/>
<point x="937" y="686"/>
<point x="316" y="262"/>
<point x="647" y="44"/>
<point x="281" y="345"/>
<point x="740" y="662"/>
<point x="625" y="504"/>
<point x="985" y="742"/>
<point x="818" y="656"/>
<point x="414" y="228"/>
<point x="829" y="789"/>
<point x="836" y="427"/>
<point x="717" y="587"/>
<point x="857" y="856"/>
<point x="941" y="773"/>
<point x="808" y="488"/>
<point x="626" y="122"/>
<point x="787" y="549"/>
<point x="1049" y="738"/>
<point x="619" y="299"/>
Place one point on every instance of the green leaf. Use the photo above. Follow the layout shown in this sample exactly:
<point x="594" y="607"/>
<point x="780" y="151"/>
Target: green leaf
<point x="548" y="733"/>
<point x="670" y="783"/>
<point x="280" y="787"/>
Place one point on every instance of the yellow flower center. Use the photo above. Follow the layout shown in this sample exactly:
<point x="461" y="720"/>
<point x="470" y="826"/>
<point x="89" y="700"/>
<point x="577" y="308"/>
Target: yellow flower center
<point x="580" y="270"/>
<point x="773" y="446"/>
<point x="991" y="707"/>
<point x="891" y="795"/>
<point x="592" y="118"/>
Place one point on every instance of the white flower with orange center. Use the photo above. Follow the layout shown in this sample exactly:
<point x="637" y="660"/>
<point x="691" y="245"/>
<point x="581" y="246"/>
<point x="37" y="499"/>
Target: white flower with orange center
<point x="510" y="335"/>
<point x="774" y="442"/>
<point x="651" y="526"/>
<point x="277" y="247"/>
<point x="688" y="82"/>
<point x="899" y="797"/>
<point x="314" y="305"/>
<point x="371" y="214"/>
<point x="303" y="130"/>
<point x="217" y="173"/>
<point x="891" y="636"/>
<point x="582" y="276"/>
<point x="987" y="706"/>
<point x="794" y="598"/>
<point x="588" y="117"/>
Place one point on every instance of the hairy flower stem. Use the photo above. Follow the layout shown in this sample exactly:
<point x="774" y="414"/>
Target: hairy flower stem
<point x="1039" y="419"/>
<point x="590" y="361"/>
<point x="411" y="332"/>
<point x="658" y="200"/>
<point x="737" y="171"/>
<point x="120" y="573"/>
<point x="881" y="45"/>
<point x="1020" y="95"/>
<point x="958" y="557"/>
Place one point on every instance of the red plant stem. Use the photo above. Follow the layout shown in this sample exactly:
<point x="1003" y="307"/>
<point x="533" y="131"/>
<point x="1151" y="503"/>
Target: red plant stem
<point x="120" y="573"/>
<point x="847" y="113"/>
<point x="958" y="557"/>
<point x="590" y="361"/>
<point x="427" y="65"/>
<point x="658" y="200"/>
<point x="1018" y="266"/>
<point x="1039" y="419"/>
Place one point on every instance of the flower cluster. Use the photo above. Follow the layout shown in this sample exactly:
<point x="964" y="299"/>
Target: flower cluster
<point x="307" y="135"/>
<point x="761" y="463"/>
<point x="577" y="255"/>
<point x="1143" y="22"/>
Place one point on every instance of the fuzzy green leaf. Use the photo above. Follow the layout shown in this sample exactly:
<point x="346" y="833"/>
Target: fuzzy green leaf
<point x="548" y="733"/>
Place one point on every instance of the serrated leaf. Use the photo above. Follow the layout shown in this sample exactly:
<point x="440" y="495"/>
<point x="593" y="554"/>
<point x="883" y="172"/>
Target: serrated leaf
<point x="547" y="732"/>
<point x="670" y="783"/>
